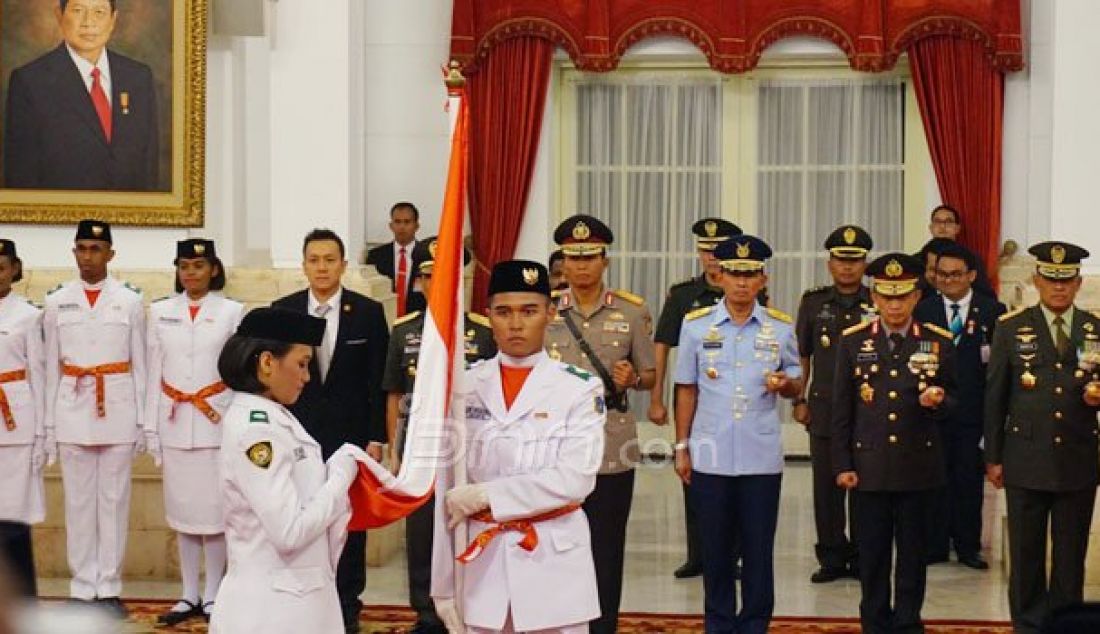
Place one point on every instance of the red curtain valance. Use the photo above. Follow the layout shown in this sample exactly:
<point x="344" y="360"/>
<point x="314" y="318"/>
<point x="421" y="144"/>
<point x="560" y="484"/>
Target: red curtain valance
<point x="733" y="33"/>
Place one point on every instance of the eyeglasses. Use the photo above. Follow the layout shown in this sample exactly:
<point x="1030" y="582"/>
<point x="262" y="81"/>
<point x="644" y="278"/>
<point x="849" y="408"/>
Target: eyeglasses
<point x="951" y="276"/>
<point x="946" y="222"/>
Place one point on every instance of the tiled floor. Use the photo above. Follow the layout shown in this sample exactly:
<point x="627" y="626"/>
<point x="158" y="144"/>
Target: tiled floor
<point x="655" y="549"/>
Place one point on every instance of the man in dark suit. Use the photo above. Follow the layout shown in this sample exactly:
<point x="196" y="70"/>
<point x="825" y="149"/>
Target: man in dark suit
<point x="894" y="378"/>
<point x="343" y="401"/>
<point x="82" y="116"/>
<point x="394" y="259"/>
<point x="1042" y="396"/>
<point x="945" y="225"/>
<point x="955" y="516"/>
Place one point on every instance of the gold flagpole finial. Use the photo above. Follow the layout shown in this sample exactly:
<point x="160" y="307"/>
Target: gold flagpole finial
<point x="452" y="77"/>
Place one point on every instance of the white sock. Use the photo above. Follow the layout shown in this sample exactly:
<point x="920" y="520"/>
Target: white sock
<point x="190" y="551"/>
<point x="215" y="565"/>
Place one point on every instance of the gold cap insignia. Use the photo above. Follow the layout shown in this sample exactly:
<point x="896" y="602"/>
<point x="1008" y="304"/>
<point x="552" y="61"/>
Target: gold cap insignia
<point x="743" y="250"/>
<point x="711" y="228"/>
<point x="849" y="236"/>
<point x="432" y="246"/>
<point x="1057" y="254"/>
<point x="97" y="230"/>
<point x="200" y="248"/>
<point x="580" y="232"/>
<point x="531" y="276"/>
<point x="894" y="269"/>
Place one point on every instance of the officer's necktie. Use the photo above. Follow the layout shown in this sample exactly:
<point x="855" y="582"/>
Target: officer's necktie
<point x="1061" y="341"/>
<point x="956" y="324"/>
<point x="402" y="281"/>
<point x="896" y="339"/>
<point x="323" y="354"/>
<point x="102" y="106"/>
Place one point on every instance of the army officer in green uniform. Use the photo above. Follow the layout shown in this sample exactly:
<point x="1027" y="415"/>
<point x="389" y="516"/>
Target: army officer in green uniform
<point x="397" y="381"/>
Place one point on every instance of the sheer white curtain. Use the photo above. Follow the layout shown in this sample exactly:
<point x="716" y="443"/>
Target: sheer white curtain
<point x="829" y="152"/>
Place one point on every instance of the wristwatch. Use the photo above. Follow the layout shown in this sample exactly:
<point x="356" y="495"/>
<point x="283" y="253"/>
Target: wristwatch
<point x="680" y="446"/>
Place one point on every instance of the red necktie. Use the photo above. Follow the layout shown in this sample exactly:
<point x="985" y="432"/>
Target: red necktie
<point x="402" y="281"/>
<point x="102" y="106"/>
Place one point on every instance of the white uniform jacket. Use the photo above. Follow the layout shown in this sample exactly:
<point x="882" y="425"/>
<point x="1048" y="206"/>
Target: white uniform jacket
<point x="285" y="525"/>
<point x="540" y="455"/>
<point x="83" y="336"/>
<point x="184" y="354"/>
<point x="21" y="350"/>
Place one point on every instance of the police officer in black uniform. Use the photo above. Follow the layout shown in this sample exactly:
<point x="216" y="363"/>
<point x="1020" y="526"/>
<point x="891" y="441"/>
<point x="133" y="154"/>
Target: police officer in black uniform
<point x="893" y="377"/>
<point x="1042" y="396"/>
<point x="398" y="381"/>
<point x="823" y="314"/>
<point x="682" y="298"/>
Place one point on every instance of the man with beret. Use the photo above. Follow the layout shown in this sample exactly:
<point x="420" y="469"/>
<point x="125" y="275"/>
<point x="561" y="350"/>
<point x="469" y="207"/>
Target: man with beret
<point x="735" y="360"/>
<point x="823" y="314"/>
<point x="533" y="439"/>
<point x="607" y="333"/>
<point x="398" y="381"/>
<point x="955" y="517"/>
<point x="697" y="292"/>
<point x="1042" y="397"/>
<point x="894" y="379"/>
<point x="95" y="392"/>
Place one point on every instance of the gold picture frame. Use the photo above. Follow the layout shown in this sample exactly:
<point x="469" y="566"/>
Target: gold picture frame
<point x="178" y="197"/>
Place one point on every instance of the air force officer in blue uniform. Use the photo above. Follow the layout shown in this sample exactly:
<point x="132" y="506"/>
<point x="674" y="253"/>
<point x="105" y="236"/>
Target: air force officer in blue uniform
<point x="736" y="358"/>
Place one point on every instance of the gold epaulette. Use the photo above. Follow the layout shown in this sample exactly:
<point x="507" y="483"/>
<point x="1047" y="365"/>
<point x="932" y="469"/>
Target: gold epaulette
<point x="1012" y="313"/>
<point x="856" y="328"/>
<point x="775" y="313"/>
<point x="943" y="332"/>
<point x="628" y="296"/>
<point x="556" y="293"/>
<point x="698" y="312"/>
<point x="406" y="318"/>
<point x="478" y="319"/>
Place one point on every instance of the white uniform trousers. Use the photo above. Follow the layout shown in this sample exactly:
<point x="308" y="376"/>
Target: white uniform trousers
<point x="96" y="481"/>
<point x="576" y="628"/>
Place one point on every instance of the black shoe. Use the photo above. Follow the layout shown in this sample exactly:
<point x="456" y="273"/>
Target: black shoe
<point x="974" y="561"/>
<point x="428" y="628"/>
<point x="175" y="617"/>
<point x="825" y="574"/>
<point x="852" y="571"/>
<point x="114" y="606"/>
<point x="688" y="570"/>
<point x="935" y="559"/>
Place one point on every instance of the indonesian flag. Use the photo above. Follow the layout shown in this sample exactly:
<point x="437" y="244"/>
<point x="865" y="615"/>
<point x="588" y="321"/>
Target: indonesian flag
<point x="377" y="496"/>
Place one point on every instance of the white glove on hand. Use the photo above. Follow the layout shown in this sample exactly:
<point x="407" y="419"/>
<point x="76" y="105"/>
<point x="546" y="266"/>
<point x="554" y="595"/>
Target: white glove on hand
<point x="139" y="444"/>
<point x="447" y="611"/>
<point x="343" y="465"/>
<point x="463" y="501"/>
<point x="38" y="453"/>
<point x="152" y="447"/>
<point x="51" y="448"/>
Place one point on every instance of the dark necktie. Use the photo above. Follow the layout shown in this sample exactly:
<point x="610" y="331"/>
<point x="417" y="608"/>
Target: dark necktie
<point x="896" y="339"/>
<point x="1061" y="341"/>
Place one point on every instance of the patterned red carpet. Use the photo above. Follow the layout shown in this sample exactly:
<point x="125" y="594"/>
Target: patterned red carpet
<point x="396" y="620"/>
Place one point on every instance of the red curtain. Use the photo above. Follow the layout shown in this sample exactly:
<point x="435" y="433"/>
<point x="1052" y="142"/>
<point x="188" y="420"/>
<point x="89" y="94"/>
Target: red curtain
<point x="507" y="97"/>
<point x="961" y="101"/>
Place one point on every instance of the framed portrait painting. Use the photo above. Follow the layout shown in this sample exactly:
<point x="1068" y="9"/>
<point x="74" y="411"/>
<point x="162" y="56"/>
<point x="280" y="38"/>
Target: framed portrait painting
<point x="103" y="111"/>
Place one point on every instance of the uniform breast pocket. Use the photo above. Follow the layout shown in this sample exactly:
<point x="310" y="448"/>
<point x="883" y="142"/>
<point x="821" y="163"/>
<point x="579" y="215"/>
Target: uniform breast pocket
<point x="616" y="345"/>
<point x="299" y="581"/>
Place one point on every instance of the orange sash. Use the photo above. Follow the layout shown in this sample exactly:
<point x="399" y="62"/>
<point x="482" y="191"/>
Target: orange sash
<point x="99" y="371"/>
<point x="526" y="526"/>
<point x="198" y="399"/>
<point x="5" y="407"/>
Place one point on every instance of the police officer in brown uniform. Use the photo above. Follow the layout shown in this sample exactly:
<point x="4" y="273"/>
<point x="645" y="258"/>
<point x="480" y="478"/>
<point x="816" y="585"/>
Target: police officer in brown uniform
<point x="823" y="314"/>
<point x="892" y="383"/>
<point x="1042" y="396"/>
<point x="607" y="333"/>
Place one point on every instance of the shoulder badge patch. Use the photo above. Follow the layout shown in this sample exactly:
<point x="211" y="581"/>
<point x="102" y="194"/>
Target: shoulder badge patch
<point x="258" y="416"/>
<point x="161" y="299"/>
<point x="577" y="372"/>
<point x="132" y="287"/>
<point x="939" y="331"/>
<point x="698" y="312"/>
<point x="406" y="318"/>
<point x="628" y="296"/>
<point x="261" y="454"/>
<point x="856" y="328"/>
<point x="54" y="289"/>
<point x="1012" y="313"/>
<point x="775" y="313"/>
<point x="478" y="319"/>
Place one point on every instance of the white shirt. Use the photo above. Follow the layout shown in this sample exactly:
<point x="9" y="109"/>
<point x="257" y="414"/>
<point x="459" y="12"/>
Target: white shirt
<point x="964" y="307"/>
<point x="85" y="67"/>
<point x="332" y="325"/>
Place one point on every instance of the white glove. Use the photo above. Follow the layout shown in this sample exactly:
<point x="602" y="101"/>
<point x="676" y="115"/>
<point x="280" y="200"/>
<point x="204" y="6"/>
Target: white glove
<point x="139" y="444"/>
<point x="463" y="501"/>
<point x="38" y="453"/>
<point x="447" y="611"/>
<point x="51" y="447"/>
<point x="343" y="465"/>
<point x="152" y="447"/>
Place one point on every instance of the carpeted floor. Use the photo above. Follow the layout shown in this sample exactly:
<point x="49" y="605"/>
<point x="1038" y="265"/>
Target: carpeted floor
<point x="396" y="620"/>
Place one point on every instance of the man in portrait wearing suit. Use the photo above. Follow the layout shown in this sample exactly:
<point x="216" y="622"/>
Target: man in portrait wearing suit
<point x="343" y="401"/>
<point x="394" y="259"/>
<point x="955" y="517"/>
<point x="82" y="116"/>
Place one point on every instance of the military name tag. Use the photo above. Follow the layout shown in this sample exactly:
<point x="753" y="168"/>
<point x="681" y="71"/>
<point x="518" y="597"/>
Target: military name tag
<point x="68" y="307"/>
<point x="170" y="320"/>
<point x="616" y="326"/>
<point x="712" y="345"/>
<point x="474" y="412"/>
<point x="412" y="349"/>
<point x="1027" y="347"/>
<point x="866" y="357"/>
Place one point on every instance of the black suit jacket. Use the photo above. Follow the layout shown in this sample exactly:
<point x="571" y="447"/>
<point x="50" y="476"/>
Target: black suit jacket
<point x="978" y="326"/>
<point x="53" y="138"/>
<point x="382" y="259"/>
<point x="350" y="405"/>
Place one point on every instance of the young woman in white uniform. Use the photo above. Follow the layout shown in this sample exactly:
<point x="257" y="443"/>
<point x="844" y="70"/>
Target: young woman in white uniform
<point x="22" y="422"/>
<point x="286" y="511"/>
<point x="186" y="402"/>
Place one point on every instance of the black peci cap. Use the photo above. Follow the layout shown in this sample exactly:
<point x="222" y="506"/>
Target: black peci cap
<point x="519" y="276"/>
<point x="90" y="229"/>
<point x="195" y="248"/>
<point x="280" y="324"/>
